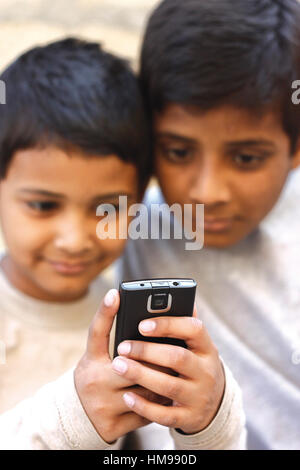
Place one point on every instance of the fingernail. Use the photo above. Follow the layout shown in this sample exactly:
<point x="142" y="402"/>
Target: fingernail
<point x="147" y="326"/>
<point x="119" y="366"/>
<point x="129" y="400"/>
<point x="110" y="298"/>
<point x="124" y="348"/>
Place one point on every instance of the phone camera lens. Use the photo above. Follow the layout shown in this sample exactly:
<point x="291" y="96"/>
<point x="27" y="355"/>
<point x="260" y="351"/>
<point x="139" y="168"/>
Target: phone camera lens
<point x="175" y="283"/>
<point x="159" y="301"/>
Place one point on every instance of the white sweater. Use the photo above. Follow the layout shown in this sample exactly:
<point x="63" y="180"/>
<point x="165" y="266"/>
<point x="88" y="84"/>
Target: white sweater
<point x="249" y="300"/>
<point x="40" y="345"/>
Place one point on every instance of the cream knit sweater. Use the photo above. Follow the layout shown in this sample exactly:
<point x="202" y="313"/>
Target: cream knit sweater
<point x="40" y="344"/>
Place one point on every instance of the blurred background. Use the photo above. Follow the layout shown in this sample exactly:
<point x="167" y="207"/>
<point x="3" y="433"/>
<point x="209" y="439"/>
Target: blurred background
<point x="117" y="24"/>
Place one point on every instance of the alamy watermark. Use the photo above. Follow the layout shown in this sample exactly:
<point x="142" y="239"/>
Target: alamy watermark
<point x="296" y="94"/>
<point x="2" y="92"/>
<point x="152" y="222"/>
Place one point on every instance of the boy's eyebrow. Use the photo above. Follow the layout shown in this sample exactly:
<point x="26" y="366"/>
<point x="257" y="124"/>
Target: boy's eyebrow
<point x="252" y="143"/>
<point x="43" y="192"/>
<point x="171" y="135"/>
<point x="232" y="144"/>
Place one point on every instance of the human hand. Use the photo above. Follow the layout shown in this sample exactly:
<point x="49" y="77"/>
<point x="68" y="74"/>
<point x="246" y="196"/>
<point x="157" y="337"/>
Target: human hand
<point x="99" y="389"/>
<point x="198" y="389"/>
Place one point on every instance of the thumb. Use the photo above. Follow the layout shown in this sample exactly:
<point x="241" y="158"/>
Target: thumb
<point x="99" y="331"/>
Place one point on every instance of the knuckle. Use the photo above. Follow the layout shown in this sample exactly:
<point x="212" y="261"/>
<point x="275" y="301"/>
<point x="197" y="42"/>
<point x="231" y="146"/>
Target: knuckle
<point x="163" y="326"/>
<point x="133" y="372"/>
<point x="169" y="421"/>
<point x="103" y="410"/>
<point x="211" y="378"/>
<point x="140" y="407"/>
<point x="179" y="357"/>
<point x="173" y="389"/>
<point x="138" y="349"/>
<point x="93" y="332"/>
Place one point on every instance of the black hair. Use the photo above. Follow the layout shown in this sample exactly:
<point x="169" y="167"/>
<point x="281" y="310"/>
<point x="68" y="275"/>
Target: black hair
<point x="206" y="53"/>
<point x="72" y="93"/>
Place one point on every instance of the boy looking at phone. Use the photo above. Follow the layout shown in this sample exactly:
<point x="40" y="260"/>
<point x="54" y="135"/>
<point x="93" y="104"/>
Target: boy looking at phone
<point x="73" y="135"/>
<point x="217" y="77"/>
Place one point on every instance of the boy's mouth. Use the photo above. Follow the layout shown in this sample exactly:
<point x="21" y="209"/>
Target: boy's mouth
<point x="217" y="225"/>
<point x="70" y="268"/>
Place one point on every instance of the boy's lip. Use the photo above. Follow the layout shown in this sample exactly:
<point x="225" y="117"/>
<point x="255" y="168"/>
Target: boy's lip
<point x="217" y="224"/>
<point x="70" y="268"/>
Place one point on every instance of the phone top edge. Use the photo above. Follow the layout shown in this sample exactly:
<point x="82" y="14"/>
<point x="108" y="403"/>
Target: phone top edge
<point x="142" y="284"/>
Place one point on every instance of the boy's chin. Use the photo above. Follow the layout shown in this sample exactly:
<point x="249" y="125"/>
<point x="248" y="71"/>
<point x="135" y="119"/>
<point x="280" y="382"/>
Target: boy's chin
<point x="219" y="241"/>
<point x="62" y="292"/>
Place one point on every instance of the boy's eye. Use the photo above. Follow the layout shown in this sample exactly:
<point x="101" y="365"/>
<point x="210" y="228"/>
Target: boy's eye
<point x="176" y="154"/>
<point x="42" y="206"/>
<point x="247" y="160"/>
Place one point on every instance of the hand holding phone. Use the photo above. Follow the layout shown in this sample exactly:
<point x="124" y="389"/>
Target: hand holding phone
<point x="177" y="342"/>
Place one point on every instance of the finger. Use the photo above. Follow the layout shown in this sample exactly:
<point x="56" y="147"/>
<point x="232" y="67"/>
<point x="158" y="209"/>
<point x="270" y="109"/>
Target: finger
<point x="118" y="381"/>
<point x="181" y="360"/>
<point x="149" y="396"/>
<point x="190" y="329"/>
<point x="170" y="416"/>
<point x="99" y="331"/>
<point x="119" y="407"/>
<point x="166" y="385"/>
<point x="114" y="382"/>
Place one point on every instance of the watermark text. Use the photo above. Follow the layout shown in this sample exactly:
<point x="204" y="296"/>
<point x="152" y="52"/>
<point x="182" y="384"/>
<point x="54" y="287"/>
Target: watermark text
<point x="159" y="221"/>
<point x="296" y="94"/>
<point x="2" y="92"/>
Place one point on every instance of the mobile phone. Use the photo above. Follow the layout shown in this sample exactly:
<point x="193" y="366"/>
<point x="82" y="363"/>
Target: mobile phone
<point x="149" y="298"/>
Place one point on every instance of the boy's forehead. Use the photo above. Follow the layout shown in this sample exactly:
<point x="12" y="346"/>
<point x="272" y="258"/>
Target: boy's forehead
<point x="226" y="121"/>
<point x="56" y="170"/>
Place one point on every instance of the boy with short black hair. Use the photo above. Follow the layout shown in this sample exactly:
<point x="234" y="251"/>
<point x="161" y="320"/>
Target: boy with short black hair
<point x="217" y="77"/>
<point x="74" y="135"/>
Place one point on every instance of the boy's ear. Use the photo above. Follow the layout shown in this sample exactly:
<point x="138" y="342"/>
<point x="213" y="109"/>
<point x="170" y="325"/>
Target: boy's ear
<point x="296" y="156"/>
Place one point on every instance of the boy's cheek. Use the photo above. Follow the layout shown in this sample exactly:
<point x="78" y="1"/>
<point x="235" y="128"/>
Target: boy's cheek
<point x="22" y="235"/>
<point x="111" y="250"/>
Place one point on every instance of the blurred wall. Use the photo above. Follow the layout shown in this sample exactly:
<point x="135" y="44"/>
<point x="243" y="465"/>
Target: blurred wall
<point x="117" y="24"/>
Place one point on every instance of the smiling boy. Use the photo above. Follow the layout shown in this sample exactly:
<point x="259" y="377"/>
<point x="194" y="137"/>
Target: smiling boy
<point x="50" y="225"/>
<point x="63" y="151"/>
<point x="217" y="77"/>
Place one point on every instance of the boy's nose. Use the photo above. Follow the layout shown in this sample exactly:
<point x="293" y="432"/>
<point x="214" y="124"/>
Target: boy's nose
<point x="210" y="187"/>
<point x="73" y="235"/>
